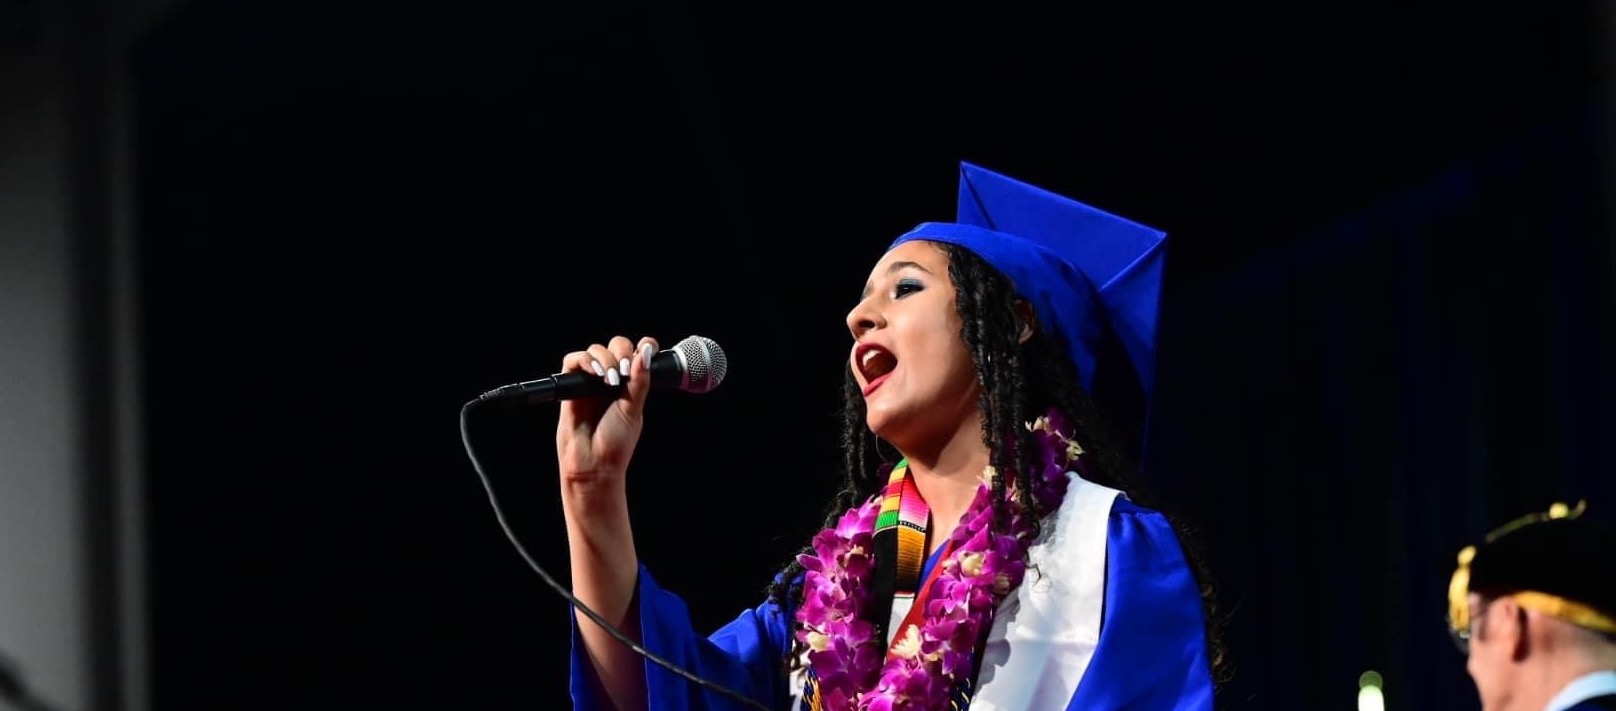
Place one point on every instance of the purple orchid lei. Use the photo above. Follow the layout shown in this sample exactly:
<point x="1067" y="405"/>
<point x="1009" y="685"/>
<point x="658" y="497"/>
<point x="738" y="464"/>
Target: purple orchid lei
<point x="927" y="659"/>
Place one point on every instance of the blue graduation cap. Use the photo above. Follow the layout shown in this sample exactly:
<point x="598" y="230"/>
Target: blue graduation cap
<point x="1093" y="278"/>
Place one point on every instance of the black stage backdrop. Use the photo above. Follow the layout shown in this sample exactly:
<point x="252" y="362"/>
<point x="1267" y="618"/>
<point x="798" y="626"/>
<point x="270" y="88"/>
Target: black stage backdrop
<point x="1387" y="320"/>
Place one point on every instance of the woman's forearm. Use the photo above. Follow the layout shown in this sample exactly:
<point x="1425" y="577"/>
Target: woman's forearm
<point x="605" y="570"/>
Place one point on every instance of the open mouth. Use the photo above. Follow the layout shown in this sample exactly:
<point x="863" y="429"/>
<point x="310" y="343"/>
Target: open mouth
<point x="875" y="364"/>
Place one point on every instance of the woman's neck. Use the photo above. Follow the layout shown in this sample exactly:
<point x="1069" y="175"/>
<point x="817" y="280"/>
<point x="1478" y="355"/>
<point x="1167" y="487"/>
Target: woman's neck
<point x="948" y="476"/>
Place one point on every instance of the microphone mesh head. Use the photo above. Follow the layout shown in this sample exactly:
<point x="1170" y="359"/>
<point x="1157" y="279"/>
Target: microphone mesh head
<point x="705" y="364"/>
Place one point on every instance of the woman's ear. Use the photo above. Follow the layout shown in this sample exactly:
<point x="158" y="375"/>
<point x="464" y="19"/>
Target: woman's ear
<point x="1029" y="320"/>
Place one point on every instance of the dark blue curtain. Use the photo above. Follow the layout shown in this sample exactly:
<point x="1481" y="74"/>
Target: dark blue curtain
<point x="1339" y="419"/>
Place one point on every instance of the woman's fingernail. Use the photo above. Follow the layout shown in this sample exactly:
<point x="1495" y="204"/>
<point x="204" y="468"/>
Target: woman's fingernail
<point x="612" y="378"/>
<point x="595" y="364"/>
<point x="624" y="364"/>
<point x="645" y="356"/>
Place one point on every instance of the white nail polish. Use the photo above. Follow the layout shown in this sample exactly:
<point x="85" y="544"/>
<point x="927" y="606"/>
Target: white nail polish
<point x="646" y="354"/>
<point x="623" y="365"/>
<point x="598" y="370"/>
<point x="612" y="378"/>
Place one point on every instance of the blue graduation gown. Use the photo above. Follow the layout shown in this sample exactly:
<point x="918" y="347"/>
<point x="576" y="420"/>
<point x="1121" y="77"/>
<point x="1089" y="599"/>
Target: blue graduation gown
<point x="1150" y="653"/>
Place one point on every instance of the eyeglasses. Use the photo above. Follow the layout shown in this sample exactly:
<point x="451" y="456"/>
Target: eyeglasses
<point x="1461" y="635"/>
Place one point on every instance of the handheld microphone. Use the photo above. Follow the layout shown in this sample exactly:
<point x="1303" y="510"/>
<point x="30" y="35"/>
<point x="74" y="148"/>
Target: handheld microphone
<point x="694" y="365"/>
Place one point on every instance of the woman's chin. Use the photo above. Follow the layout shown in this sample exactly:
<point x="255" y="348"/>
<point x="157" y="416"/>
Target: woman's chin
<point x="887" y="425"/>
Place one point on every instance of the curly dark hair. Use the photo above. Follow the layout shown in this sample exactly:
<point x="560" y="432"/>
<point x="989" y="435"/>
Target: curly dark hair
<point x="1019" y="382"/>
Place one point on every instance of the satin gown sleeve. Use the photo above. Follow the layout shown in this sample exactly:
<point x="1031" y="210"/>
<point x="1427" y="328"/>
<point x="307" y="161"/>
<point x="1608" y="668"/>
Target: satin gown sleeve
<point x="746" y="655"/>
<point x="1152" y="651"/>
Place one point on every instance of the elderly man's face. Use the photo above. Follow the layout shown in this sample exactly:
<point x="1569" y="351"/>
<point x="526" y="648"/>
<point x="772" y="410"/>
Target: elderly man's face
<point x="1494" y="635"/>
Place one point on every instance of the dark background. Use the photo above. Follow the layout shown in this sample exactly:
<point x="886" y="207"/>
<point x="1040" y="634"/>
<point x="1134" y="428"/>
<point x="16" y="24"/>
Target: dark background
<point x="1387" y="319"/>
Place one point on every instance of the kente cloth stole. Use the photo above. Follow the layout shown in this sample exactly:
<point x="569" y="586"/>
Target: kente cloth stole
<point x="900" y="549"/>
<point x="899" y="540"/>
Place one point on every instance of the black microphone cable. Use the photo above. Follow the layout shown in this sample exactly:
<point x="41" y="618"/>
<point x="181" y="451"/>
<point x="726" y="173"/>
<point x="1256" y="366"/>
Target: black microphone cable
<point x="493" y="500"/>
